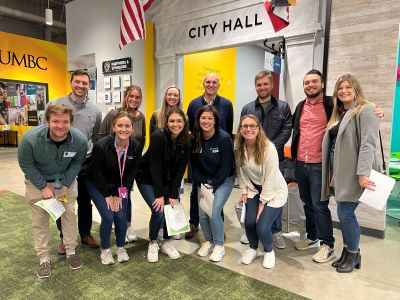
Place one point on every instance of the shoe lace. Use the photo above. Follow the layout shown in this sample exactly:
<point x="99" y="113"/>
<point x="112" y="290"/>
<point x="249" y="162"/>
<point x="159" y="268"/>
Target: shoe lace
<point x="153" y="248"/>
<point x="44" y="264"/>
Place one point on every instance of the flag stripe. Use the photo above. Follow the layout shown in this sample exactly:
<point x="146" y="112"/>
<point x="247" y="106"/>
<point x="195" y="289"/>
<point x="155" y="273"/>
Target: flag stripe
<point x="132" y="25"/>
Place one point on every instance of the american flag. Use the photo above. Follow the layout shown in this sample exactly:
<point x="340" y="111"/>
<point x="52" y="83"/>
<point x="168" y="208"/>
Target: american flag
<point x="133" y="26"/>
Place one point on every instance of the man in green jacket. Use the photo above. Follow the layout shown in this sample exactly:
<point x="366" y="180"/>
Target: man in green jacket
<point x="50" y="155"/>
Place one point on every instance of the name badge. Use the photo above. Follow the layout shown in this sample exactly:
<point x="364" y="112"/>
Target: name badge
<point x="122" y="192"/>
<point x="69" y="154"/>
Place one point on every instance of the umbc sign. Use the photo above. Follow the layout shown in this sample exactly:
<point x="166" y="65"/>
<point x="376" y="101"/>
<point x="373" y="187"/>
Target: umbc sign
<point x="25" y="60"/>
<point x="117" y="65"/>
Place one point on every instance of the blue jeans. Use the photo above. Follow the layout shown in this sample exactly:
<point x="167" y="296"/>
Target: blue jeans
<point x="318" y="216"/>
<point x="108" y="217"/>
<point x="261" y="230"/>
<point x="129" y="205"/>
<point x="348" y="222"/>
<point x="157" y="219"/>
<point x="213" y="229"/>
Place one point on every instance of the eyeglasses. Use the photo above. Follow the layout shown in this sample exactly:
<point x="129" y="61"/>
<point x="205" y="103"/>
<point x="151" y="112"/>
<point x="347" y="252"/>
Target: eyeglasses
<point x="251" y="126"/>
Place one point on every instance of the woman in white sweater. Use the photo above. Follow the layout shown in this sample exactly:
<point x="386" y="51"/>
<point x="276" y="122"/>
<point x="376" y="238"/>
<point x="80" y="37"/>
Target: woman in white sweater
<point x="264" y="190"/>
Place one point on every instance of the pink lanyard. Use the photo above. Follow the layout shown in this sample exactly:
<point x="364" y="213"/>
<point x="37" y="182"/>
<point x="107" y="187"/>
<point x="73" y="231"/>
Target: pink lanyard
<point x="121" y="171"/>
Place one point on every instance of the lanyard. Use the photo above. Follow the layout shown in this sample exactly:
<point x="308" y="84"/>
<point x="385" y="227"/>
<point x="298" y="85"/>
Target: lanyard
<point x="121" y="171"/>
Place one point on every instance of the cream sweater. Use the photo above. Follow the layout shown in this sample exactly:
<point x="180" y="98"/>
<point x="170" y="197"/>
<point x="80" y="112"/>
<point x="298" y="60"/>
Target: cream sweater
<point x="274" y="188"/>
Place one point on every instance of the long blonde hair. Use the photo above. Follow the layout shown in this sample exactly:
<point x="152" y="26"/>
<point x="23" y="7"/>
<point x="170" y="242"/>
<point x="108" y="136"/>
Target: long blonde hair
<point x="261" y="148"/>
<point x="162" y="113"/>
<point x="338" y="108"/>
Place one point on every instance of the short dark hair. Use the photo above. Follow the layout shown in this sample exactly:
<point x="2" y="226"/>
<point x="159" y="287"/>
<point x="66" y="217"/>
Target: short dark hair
<point x="79" y="72"/>
<point x="316" y="72"/>
<point x="58" y="109"/>
<point x="2" y="85"/>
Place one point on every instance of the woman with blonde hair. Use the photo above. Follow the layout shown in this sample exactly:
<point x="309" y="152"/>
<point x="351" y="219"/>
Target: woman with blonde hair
<point x="348" y="156"/>
<point x="172" y="98"/>
<point x="264" y="190"/>
<point x="131" y="104"/>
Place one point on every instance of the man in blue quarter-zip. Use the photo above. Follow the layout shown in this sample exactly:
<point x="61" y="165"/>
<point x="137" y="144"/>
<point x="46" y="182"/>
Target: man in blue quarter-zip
<point x="46" y="154"/>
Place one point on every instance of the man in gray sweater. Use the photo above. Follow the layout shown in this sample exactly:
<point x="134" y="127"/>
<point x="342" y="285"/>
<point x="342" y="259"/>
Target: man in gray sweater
<point x="50" y="154"/>
<point x="87" y="118"/>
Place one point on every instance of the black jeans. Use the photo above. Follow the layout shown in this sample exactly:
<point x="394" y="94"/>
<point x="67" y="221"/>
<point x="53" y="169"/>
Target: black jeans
<point x="84" y="208"/>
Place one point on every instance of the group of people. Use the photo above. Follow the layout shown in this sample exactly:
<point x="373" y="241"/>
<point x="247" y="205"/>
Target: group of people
<point x="334" y="140"/>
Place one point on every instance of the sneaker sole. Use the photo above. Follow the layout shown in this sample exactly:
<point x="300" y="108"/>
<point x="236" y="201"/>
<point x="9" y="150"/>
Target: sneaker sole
<point x="326" y="260"/>
<point x="311" y="246"/>
<point x="108" y="264"/>
<point x="42" y="277"/>
<point x="75" y="268"/>
<point x="123" y="261"/>
<point x="173" y="257"/>
<point x="280" y="246"/>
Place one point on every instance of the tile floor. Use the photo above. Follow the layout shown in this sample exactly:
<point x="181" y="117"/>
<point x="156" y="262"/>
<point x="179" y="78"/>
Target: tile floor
<point x="294" y="271"/>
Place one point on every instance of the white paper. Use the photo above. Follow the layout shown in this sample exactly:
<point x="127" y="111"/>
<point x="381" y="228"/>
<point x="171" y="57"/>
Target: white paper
<point x="54" y="207"/>
<point x="384" y="185"/>
<point x="243" y="215"/>
<point x="126" y="80"/>
<point x="116" y="82"/>
<point x="107" y="83"/>
<point x="206" y="199"/>
<point x="176" y="220"/>
<point x="117" y="97"/>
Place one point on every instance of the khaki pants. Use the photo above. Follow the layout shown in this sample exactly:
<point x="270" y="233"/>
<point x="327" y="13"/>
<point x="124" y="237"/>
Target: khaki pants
<point x="40" y="220"/>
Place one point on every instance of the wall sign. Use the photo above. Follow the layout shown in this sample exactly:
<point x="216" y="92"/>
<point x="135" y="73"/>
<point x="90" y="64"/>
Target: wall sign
<point x="117" y="65"/>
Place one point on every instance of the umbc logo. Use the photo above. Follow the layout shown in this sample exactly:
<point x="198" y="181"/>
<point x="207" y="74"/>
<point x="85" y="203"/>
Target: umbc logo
<point x="26" y="60"/>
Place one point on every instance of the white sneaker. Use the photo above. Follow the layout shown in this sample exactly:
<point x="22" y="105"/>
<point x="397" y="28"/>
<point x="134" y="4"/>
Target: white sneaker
<point x="130" y="235"/>
<point x="152" y="252"/>
<point x="269" y="260"/>
<point x="169" y="249"/>
<point x="218" y="253"/>
<point x="249" y="256"/>
<point x="244" y="239"/>
<point x="278" y="240"/>
<point x="205" y="249"/>
<point x="177" y="236"/>
<point x="106" y="257"/>
<point x="122" y="256"/>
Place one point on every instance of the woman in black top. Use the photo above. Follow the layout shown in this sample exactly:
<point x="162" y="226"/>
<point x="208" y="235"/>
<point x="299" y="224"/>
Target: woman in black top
<point x="162" y="170"/>
<point x="213" y="167"/>
<point x="115" y="161"/>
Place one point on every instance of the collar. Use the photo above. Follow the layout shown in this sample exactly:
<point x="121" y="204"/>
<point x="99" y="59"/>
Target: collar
<point x="212" y="100"/>
<point x="47" y="137"/>
<point x="273" y="101"/>
<point x="320" y="99"/>
<point x="73" y="101"/>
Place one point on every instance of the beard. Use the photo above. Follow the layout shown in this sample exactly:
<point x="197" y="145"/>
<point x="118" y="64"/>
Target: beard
<point x="313" y="94"/>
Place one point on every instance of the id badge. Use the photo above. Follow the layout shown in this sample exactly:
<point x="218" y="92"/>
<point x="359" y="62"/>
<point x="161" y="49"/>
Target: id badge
<point x="123" y="192"/>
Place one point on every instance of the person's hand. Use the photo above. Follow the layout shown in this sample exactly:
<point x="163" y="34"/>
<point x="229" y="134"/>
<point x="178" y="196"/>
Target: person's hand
<point x="158" y="204"/>
<point x="243" y="198"/>
<point x="47" y="192"/>
<point x="379" y="113"/>
<point x="260" y="209"/>
<point x="366" y="183"/>
<point x="110" y="202"/>
<point x="172" y="202"/>
<point x="61" y="192"/>
<point x="117" y="204"/>
<point x="201" y="195"/>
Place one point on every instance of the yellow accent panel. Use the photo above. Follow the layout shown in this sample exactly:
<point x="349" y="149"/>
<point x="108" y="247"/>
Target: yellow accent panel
<point x="149" y="77"/>
<point x="56" y="64"/>
<point x="196" y="66"/>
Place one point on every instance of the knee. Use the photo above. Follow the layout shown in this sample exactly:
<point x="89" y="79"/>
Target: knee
<point x="158" y="216"/>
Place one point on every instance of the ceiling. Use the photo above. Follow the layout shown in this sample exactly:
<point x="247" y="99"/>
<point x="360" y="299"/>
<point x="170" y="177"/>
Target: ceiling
<point x="26" y="17"/>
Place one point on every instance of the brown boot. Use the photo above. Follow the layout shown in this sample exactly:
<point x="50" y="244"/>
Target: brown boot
<point x="192" y="232"/>
<point x="90" y="241"/>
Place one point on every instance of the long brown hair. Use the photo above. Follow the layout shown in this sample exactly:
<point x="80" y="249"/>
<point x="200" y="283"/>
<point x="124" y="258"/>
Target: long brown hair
<point x="126" y="95"/>
<point x="260" y="149"/>
<point x="162" y="113"/>
<point x="338" y="108"/>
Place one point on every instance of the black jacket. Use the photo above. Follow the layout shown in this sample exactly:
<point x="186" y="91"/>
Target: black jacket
<point x="276" y="121"/>
<point x="328" y="105"/>
<point x="103" y="168"/>
<point x="162" y="166"/>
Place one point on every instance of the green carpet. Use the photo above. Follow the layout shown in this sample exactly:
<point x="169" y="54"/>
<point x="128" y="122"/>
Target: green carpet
<point x="185" y="278"/>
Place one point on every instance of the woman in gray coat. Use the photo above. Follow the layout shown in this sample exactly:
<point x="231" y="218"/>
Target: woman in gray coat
<point x="348" y="156"/>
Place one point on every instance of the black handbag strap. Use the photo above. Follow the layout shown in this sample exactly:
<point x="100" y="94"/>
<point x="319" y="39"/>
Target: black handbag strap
<point x="383" y="157"/>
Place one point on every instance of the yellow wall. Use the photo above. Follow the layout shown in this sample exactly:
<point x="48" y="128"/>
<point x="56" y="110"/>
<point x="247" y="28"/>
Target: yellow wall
<point x="150" y="101"/>
<point x="196" y="66"/>
<point x="55" y="75"/>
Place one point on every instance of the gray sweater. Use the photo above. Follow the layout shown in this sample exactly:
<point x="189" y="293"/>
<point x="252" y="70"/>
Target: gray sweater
<point x="41" y="160"/>
<point x="355" y="154"/>
<point x="87" y="118"/>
